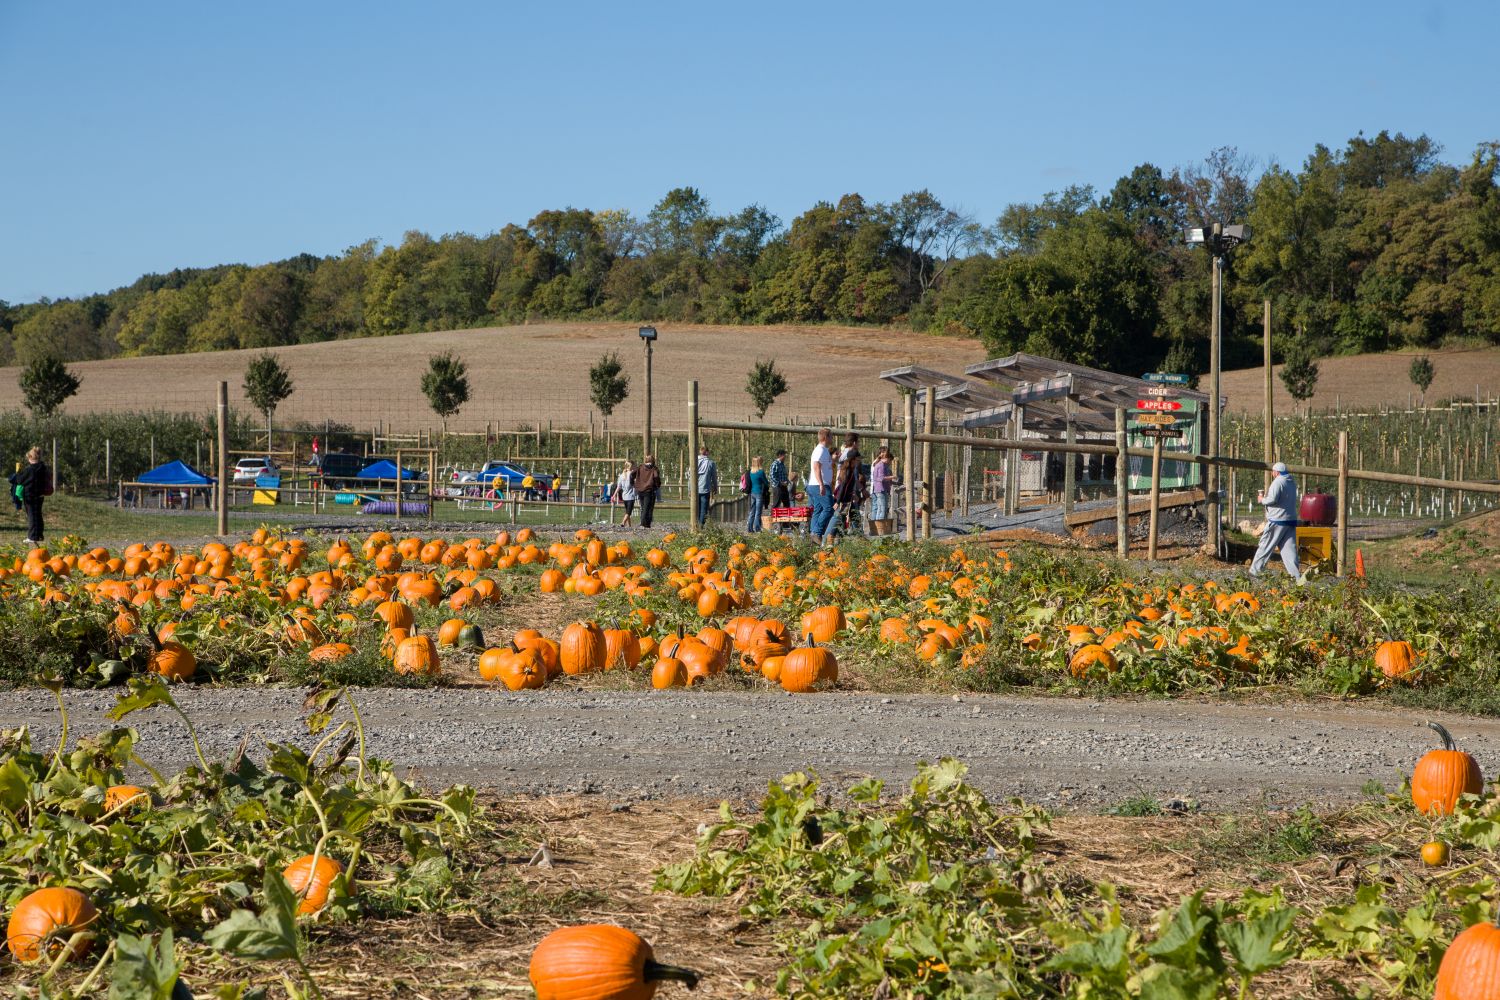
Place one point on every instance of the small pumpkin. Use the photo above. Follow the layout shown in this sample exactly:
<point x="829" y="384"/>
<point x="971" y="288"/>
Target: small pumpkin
<point x="599" y="962"/>
<point x="330" y="652"/>
<point x="1085" y="658"/>
<point x="622" y="650"/>
<point x="522" y="670"/>
<point x="45" y="922"/>
<point x="121" y="796"/>
<point x="1441" y="776"/>
<point x="310" y="882"/>
<point x="394" y="614"/>
<point x="822" y="624"/>
<point x="449" y="630"/>
<point x="1435" y="853"/>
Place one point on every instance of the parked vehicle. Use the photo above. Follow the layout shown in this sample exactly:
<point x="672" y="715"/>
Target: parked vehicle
<point x="248" y="470"/>
<point x="510" y="476"/>
<point x="340" y="471"/>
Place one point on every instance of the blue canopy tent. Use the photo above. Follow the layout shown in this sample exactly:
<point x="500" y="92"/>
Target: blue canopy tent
<point x="174" y="474"/>
<point x="384" y="469"/>
<point x="175" y="484"/>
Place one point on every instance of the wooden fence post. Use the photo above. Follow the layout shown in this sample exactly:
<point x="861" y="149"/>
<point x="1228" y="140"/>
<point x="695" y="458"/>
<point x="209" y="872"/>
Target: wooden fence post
<point x="1151" y="529"/>
<point x="694" y="522"/>
<point x="1070" y="460"/>
<point x="909" y="466"/>
<point x="1343" y="503"/>
<point x="221" y="488"/>
<point x="1122" y="491"/>
<point x="929" y="495"/>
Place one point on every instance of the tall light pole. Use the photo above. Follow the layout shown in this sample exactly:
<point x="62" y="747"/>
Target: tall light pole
<point x="648" y="335"/>
<point x="1220" y="240"/>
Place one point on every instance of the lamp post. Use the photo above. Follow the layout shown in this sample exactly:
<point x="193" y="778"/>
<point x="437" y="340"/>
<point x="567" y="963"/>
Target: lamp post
<point x="648" y="336"/>
<point x="1220" y="240"/>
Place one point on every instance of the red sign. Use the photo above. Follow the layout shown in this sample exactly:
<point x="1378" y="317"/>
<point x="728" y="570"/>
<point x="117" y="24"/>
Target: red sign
<point x="1157" y="404"/>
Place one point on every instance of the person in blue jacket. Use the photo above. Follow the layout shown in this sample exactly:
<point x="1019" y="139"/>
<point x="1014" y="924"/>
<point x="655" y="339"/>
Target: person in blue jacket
<point x="1280" y="501"/>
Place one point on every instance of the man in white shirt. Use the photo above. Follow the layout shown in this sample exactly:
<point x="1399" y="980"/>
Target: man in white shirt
<point x="820" y="487"/>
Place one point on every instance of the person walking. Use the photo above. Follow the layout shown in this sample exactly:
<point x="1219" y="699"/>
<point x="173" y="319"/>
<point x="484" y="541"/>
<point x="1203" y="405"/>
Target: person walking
<point x="647" y="483"/>
<point x="708" y="484"/>
<point x="30" y="484"/>
<point x="881" y="478"/>
<point x="820" y="487"/>
<point x="1280" y="501"/>
<point x="848" y="487"/>
<point x="758" y="486"/>
<point x="780" y="480"/>
<point x="625" y="492"/>
<point x="528" y="485"/>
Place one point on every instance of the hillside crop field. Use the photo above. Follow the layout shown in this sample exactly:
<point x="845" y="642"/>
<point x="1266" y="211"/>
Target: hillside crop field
<point x="520" y="375"/>
<point x="1371" y="382"/>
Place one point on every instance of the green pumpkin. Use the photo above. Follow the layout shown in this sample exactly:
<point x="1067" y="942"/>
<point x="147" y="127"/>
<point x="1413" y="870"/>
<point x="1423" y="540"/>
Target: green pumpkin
<point x="469" y="637"/>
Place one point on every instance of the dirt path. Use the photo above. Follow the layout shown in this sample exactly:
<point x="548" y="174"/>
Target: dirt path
<point x="675" y="745"/>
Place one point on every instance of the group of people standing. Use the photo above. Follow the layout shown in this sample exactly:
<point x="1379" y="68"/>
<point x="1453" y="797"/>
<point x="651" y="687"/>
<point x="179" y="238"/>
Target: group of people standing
<point x="638" y="484"/>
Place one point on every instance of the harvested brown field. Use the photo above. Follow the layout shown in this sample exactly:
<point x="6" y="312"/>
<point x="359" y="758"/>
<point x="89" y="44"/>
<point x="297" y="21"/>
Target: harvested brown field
<point x="1372" y="381"/>
<point x="525" y="375"/>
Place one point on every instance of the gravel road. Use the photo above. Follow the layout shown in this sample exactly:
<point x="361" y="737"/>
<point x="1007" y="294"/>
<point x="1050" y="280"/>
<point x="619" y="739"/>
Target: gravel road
<point x="1065" y="754"/>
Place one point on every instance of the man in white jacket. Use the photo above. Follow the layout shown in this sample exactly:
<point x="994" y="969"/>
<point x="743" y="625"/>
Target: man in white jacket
<point x="1280" y="501"/>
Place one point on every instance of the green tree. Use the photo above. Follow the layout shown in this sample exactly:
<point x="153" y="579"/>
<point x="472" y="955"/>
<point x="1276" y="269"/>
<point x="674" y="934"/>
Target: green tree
<point x="63" y="330"/>
<point x="446" y="386"/>
<point x="608" y="386"/>
<point x="764" y="385"/>
<point x="266" y="385"/>
<point x="1421" y="374"/>
<point x="46" y="384"/>
<point x="1300" y="373"/>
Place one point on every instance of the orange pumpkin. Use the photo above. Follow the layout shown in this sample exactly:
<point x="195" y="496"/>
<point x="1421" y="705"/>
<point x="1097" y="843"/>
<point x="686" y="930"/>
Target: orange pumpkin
<point x="448" y="631"/>
<point x="668" y="673"/>
<point x="45" y="922"/>
<point x="1089" y="656"/>
<point x="822" y="624"/>
<point x="1395" y="658"/>
<point x="583" y="649"/>
<point x="1442" y="776"/>
<point x="417" y="654"/>
<point x="806" y="666"/>
<point x="1470" y="969"/>
<point x="312" y="883"/>
<point x="174" y="661"/>
<point x="621" y="649"/>
<point x="522" y="670"/>
<point x="119" y="796"/>
<point x="599" y="962"/>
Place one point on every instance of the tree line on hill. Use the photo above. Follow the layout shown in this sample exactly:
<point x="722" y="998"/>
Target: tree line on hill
<point x="1377" y="245"/>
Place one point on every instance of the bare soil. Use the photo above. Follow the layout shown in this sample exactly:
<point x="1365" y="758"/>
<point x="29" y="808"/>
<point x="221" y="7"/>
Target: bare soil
<point x="1370" y="382"/>
<point x="522" y="375"/>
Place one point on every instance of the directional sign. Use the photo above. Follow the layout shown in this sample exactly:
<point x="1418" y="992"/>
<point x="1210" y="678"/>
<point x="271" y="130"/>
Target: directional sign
<point x="1172" y="377"/>
<point x="1163" y="391"/>
<point x="1158" y="404"/>
<point x="1159" y="419"/>
<point x="1159" y="432"/>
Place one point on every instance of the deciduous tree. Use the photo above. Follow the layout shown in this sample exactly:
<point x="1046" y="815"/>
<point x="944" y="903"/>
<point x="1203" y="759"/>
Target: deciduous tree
<point x="608" y="386"/>
<point x="46" y="384"/>
<point x="446" y="386"/>
<point x="764" y="386"/>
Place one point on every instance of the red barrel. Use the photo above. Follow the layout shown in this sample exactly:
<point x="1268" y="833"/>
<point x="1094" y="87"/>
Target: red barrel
<point x="1318" y="508"/>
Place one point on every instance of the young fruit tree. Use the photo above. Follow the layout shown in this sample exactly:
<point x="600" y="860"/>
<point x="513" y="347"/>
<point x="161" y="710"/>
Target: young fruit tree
<point x="765" y="384"/>
<point x="266" y="385"/>
<point x="46" y="384"/>
<point x="1300" y="374"/>
<point x="607" y="386"/>
<point x="1421" y="373"/>
<point x="446" y="386"/>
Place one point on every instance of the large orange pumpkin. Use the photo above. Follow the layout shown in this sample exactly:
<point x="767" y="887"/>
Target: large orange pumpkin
<point x="806" y="666"/>
<point x="1395" y="658"/>
<point x="45" y="921"/>
<point x="822" y="624"/>
<point x="1441" y="776"/>
<point x="312" y="884"/>
<point x="599" y="962"/>
<point x="1089" y="656"/>
<point x="174" y="661"/>
<point x="621" y="649"/>
<point x="522" y="670"/>
<point x="417" y="654"/>
<point x="583" y="648"/>
<point x="1470" y="969"/>
<point x="668" y="673"/>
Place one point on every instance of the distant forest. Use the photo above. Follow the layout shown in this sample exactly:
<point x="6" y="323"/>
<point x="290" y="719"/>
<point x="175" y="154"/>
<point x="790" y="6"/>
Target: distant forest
<point x="1375" y="246"/>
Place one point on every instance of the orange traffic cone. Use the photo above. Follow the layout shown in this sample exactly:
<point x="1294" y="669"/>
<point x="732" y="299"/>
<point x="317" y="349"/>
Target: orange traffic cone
<point x="1359" y="563"/>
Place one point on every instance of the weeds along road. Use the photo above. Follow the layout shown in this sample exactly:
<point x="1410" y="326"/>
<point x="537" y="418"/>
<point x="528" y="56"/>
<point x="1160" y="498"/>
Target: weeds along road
<point x="624" y="745"/>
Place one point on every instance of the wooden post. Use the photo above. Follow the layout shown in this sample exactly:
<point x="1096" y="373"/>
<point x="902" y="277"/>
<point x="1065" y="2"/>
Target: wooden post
<point x="398" y="484"/>
<point x="1151" y="529"/>
<point x="221" y="488"/>
<point x="968" y="460"/>
<point x="107" y="476"/>
<point x="1070" y="434"/>
<point x="1342" y="529"/>
<point x="694" y="523"/>
<point x="909" y="466"/>
<point x="890" y="419"/>
<point x="1122" y="491"/>
<point x="929" y="412"/>
<point x="646" y="431"/>
<point x="1268" y="432"/>
<point x="1013" y="462"/>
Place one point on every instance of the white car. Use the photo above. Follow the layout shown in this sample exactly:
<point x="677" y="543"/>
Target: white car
<point x="247" y="470"/>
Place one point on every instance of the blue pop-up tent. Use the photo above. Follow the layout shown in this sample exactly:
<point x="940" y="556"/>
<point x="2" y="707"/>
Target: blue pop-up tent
<point x="175" y="474"/>
<point x="384" y="469"/>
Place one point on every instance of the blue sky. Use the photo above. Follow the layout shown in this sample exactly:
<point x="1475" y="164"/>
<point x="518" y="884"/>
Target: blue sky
<point x="143" y="136"/>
